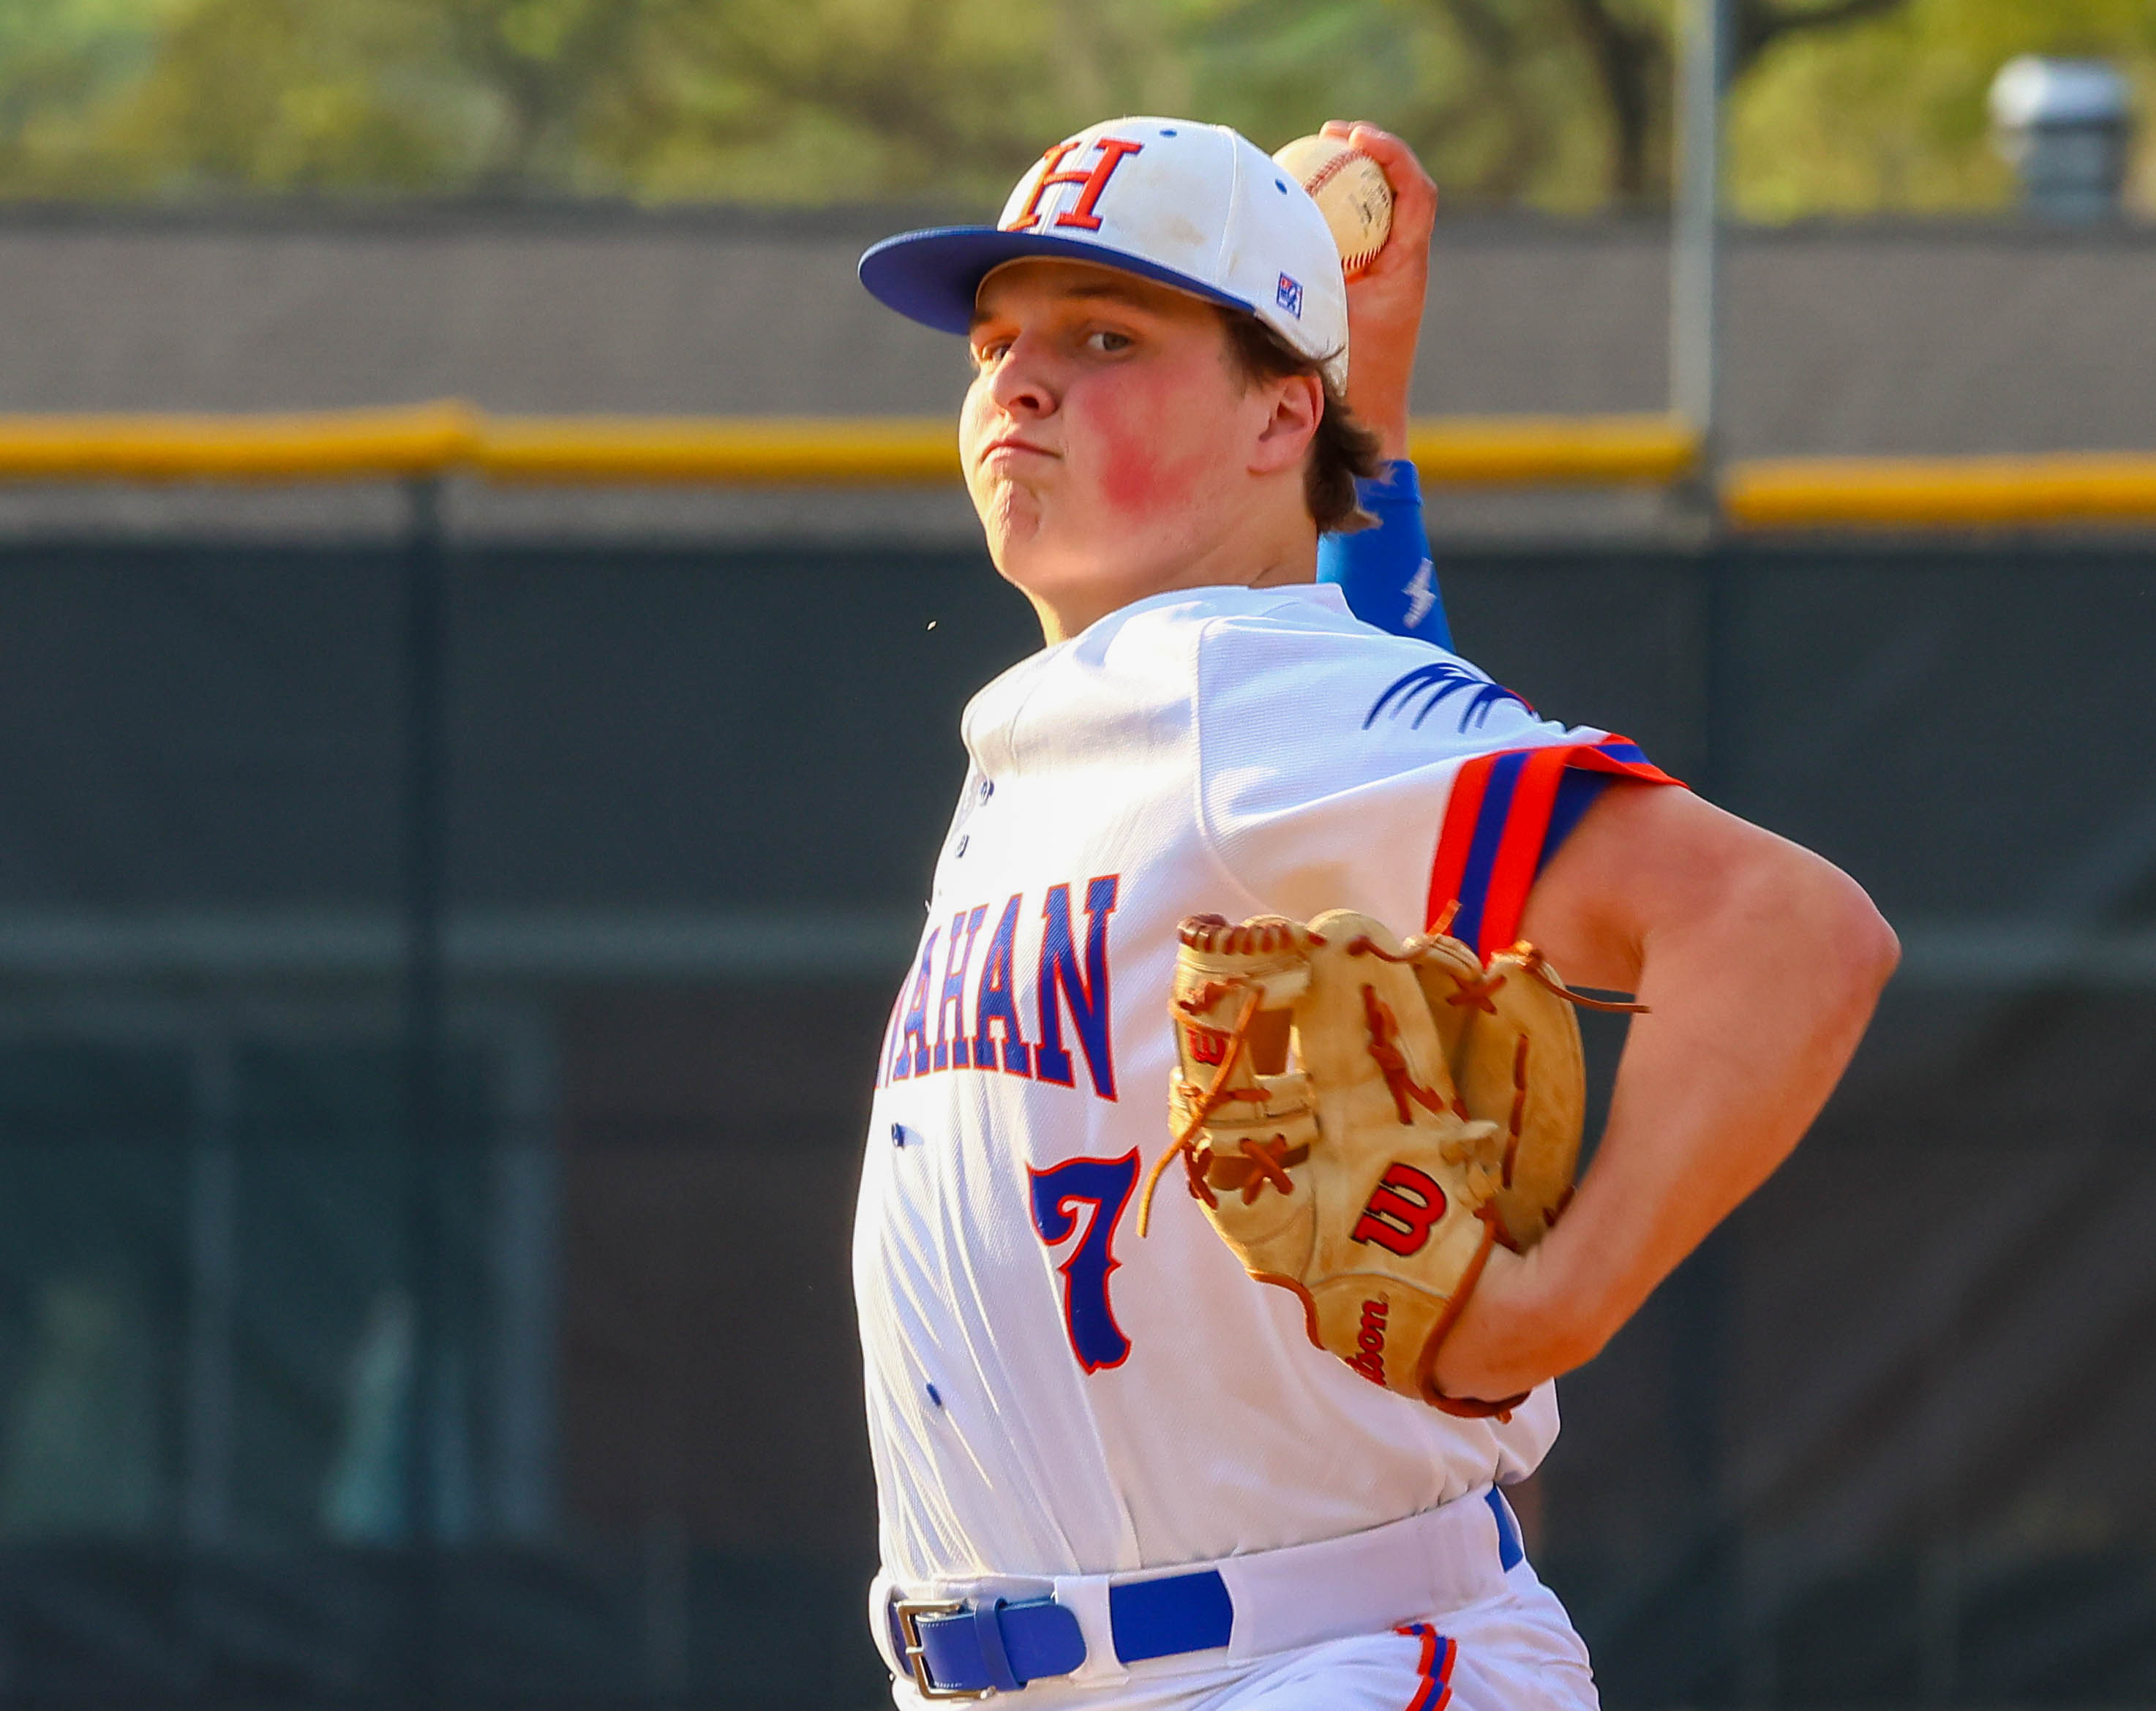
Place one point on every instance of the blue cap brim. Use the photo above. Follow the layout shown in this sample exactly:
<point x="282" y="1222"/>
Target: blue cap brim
<point x="933" y="276"/>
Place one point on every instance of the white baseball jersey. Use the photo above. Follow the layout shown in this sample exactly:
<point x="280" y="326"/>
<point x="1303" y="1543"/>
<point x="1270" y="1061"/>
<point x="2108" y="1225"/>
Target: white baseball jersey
<point x="1047" y="1393"/>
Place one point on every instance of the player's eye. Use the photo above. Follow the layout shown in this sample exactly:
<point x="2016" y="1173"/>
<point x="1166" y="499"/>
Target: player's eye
<point x="989" y="353"/>
<point x="1107" y="341"/>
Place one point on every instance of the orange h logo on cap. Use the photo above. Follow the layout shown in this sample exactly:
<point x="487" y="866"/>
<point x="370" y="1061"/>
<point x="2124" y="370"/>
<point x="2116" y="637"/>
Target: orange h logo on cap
<point x="1112" y="149"/>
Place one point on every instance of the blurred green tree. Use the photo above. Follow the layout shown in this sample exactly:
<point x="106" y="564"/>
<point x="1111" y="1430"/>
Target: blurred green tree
<point x="1892" y="113"/>
<point x="1839" y="104"/>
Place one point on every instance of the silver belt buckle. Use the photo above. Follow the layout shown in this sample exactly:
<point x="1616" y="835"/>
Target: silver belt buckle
<point x="910" y="1611"/>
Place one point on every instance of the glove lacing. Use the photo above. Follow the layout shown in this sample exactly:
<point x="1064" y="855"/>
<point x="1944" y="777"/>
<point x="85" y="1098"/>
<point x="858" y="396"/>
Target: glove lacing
<point x="1267" y="1163"/>
<point x="1205" y="1101"/>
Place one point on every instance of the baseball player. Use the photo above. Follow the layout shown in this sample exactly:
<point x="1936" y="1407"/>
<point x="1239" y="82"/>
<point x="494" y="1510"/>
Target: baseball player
<point x="1114" y="1472"/>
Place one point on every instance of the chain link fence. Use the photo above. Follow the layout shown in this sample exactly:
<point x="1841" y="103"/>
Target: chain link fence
<point x="439" y="986"/>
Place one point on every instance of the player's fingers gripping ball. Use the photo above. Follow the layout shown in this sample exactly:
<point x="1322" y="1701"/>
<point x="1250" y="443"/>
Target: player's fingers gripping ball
<point x="1352" y="192"/>
<point x="1362" y="1120"/>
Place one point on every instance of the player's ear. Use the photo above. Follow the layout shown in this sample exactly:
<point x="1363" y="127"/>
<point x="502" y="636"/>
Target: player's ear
<point x="1297" y="404"/>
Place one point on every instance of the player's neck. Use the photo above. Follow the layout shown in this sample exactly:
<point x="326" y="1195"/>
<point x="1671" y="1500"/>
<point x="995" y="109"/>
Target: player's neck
<point x="1263" y="554"/>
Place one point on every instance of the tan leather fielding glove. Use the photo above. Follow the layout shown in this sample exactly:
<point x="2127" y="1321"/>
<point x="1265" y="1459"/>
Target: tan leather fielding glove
<point x="1362" y="1120"/>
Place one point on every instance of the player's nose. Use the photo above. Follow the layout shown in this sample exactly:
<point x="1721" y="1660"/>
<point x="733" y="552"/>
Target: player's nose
<point x="1024" y="381"/>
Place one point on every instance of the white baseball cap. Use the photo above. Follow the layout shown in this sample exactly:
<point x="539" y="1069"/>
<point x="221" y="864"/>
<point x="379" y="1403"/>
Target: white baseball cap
<point x="1197" y="207"/>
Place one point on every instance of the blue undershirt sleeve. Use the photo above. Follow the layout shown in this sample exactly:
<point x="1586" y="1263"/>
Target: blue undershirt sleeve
<point x="1386" y="573"/>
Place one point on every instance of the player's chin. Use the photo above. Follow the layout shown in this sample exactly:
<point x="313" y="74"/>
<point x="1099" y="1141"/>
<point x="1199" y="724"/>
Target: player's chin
<point x="1005" y="507"/>
<point x="1010" y="514"/>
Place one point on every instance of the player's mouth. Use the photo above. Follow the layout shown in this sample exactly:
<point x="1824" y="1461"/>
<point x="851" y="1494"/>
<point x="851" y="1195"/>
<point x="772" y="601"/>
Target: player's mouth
<point x="1011" y="442"/>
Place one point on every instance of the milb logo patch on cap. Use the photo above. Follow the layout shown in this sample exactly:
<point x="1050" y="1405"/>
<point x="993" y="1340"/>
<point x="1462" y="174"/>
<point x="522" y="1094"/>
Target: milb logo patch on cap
<point x="1288" y="293"/>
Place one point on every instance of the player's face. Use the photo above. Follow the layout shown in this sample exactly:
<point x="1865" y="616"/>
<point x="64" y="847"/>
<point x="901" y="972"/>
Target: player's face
<point x="1109" y="441"/>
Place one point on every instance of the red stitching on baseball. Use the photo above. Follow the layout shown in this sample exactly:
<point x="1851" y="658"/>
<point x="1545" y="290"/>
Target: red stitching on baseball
<point x="1324" y="174"/>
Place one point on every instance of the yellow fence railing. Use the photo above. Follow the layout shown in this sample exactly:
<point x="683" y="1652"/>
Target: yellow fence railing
<point x="1561" y="451"/>
<point x="745" y="451"/>
<point x="423" y="440"/>
<point x="451" y="438"/>
<point x="1796" y="493"/>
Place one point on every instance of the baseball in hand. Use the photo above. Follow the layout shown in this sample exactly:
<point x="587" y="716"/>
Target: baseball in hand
<point x="1350" y="190"/>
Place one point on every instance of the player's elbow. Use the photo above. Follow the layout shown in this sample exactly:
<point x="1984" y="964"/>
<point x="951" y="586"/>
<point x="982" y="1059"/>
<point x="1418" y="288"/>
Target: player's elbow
<point x="1847" y="928"/>
<point x="1828" y="922"/>
<point x="1873" y="948"/>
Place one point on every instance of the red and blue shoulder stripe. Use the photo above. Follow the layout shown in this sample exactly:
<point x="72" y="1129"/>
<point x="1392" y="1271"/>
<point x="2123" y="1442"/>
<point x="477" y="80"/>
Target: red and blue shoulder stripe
<point x="1497" y="830"/>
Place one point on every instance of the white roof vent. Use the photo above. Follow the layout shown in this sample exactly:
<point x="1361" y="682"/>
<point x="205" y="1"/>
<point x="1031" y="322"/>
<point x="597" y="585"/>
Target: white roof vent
<point x="2065" y="125"/>
<point x="2033" y="90"/>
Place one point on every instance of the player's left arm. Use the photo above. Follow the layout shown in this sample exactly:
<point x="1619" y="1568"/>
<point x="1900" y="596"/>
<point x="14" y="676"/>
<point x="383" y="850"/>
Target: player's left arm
<point x="1387" y="574"/>
<point x="1760" y="963"/>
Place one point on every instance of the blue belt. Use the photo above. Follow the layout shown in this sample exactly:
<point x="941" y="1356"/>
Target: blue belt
<point x="958" y="1651"/>
<point x="955" y="1650"/>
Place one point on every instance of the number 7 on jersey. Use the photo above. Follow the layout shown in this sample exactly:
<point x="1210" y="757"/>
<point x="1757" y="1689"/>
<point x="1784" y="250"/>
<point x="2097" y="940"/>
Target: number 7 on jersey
<point x="1102" y="1188"/>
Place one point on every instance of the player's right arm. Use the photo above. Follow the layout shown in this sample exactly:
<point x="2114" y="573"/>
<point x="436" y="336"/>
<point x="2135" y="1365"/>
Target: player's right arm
<point x="1387" y="574"/>
<point x="1385" y="299"/>
<point x="1760" y="963"/>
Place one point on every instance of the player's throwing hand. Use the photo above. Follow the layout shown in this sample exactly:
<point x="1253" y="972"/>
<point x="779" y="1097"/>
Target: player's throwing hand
<point x="1385" y="299"/>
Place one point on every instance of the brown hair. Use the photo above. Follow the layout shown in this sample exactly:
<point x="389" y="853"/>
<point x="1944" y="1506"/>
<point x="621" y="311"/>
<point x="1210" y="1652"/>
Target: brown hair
<point x="1344" y="448"/>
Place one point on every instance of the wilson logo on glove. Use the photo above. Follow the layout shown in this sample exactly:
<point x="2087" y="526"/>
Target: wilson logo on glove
<point x="1400" y="1213"/>
<point x="1370" y="1343"/>
<point x="1207" y="1045"/>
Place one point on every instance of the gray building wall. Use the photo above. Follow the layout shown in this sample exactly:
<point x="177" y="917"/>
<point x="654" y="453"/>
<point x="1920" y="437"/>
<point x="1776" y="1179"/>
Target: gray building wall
<point x="1890" y="338"/>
